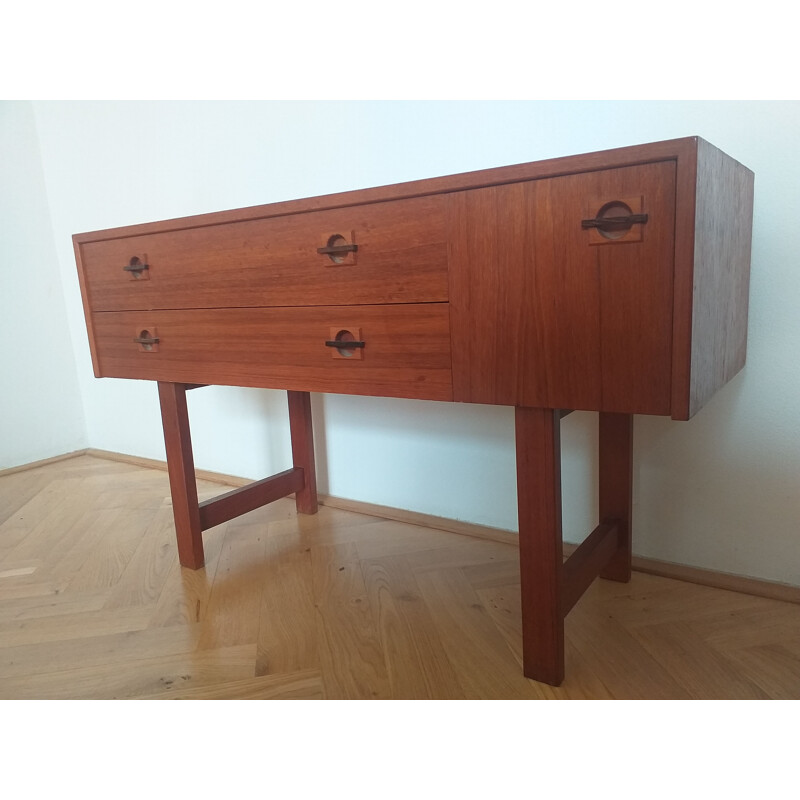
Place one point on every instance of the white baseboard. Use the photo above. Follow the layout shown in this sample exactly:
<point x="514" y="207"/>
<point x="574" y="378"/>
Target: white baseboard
<point x="719" y="580"/>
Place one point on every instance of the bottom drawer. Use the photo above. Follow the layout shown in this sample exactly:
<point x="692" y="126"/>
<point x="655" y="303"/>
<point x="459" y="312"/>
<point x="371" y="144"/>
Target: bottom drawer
<point x="397" y="351"/>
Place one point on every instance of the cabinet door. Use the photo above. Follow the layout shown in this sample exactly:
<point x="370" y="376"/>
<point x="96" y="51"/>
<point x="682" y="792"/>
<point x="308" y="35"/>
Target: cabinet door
<point x="547" y="312"/>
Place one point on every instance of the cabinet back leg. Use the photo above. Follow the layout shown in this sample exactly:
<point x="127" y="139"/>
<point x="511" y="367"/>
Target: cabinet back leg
<point x="616" y="488"/>
<point x="302" y="432"/>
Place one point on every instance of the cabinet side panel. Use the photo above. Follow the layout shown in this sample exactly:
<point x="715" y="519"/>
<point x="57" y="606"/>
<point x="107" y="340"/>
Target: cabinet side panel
<point x="87" y="305"/>
<point x="723" y="233"/>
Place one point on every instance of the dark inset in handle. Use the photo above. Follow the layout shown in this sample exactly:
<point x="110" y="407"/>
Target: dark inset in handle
<point x="136" y="266"/>
<point x="337" y="249"/>
<point x="341" y="344"/>
<point x="147" y="340"/>
<point x="613" y="223"/>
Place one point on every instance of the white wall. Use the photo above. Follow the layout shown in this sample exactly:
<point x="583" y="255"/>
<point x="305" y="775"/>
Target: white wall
<point x="720" y="491"/>
<point x="40" y="407"/>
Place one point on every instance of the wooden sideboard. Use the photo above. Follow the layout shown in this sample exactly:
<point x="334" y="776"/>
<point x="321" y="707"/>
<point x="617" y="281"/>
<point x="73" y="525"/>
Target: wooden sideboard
<point x="614" y="282"/>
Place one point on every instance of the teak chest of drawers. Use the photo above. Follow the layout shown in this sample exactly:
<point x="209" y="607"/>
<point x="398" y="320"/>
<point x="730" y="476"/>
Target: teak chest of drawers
<point x="614" y="282"/>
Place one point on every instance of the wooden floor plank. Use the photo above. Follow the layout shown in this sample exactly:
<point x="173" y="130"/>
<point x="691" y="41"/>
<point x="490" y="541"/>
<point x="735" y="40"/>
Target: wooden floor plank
<point x="643" y="603"/>
<point x="155" y="553"/>
<point x="623" y="666"/>
<point x="186" y="593"/>
<point x="287" y="634"/>
<point x="503" y="603"/>
<point x="351" y="653"/>
<point x="109" y="556"/>
<point x="116" y="648"/>
<point x="135" y="678"/>
<point x="93" y="604"/>
<point x="302" y="685"/>
<point x="73" y="625"/>
<point x="53" y="604"/>
<point x="759" y="622"/>
<point x="231" y="617"/>
<point x="40" y="587"/>
<point x="30" y="532"/>
<point x="772" y="667"/>
<point x="485" y="666"/>
<point x="702" y="672"/>
<point x="418" y="666"/>
<point x="16" y="491"/>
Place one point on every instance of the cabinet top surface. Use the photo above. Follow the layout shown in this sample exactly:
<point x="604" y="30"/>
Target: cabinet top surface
<point x="682" y="150"/>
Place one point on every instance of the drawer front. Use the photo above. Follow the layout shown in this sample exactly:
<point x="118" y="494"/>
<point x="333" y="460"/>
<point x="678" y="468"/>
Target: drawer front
<point x="399" y="350"/>
<point x="400" y="257"/>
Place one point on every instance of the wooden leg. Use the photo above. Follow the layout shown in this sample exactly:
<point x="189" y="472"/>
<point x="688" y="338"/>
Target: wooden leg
<point x="180" y="462"/>
<point x="302" y="433"/>
<point x="539" y="503"/>
<point x="616" y="488"/>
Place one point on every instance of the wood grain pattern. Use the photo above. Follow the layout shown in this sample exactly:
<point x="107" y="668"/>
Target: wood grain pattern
<point x="540" y="317"/>
<point x="615" y="488"/>
<point x="294" y="686"/>
<point x="440" y="611"/>
<point x="193" y="517"/>
<point x="301" y="429"/>
<point x="723" y="234"/>
<point x="352" y="660"/>
<point x="636" y="296"/>
<point x="521" y="315"/>
<point x="402" y="258"/>
<point x="86" y="300"/>
<point x="546" y="168"/>
<point x="540" y="550"/>
<point x="586" y="563"/>
<point x="713" y="231"/>
<point x="408" y="631"/>
<point x="236" y="502"/>
<point x="545" y="312"/>
<point x="180" y="460"/>
<point x="599" y="334"/>
<point x="234" y="597"/>
<point x="719" y="580"/>
<point x="486" y="668"/>
<point x="287" y="639"/>
<point x="407" y="352"/>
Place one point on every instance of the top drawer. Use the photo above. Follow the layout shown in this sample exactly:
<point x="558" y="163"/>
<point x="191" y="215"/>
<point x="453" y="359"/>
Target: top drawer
<point x="401" y="257"/>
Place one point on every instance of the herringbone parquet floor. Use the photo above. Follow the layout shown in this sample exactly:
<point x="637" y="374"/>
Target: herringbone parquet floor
<point x="93" y="604"/>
